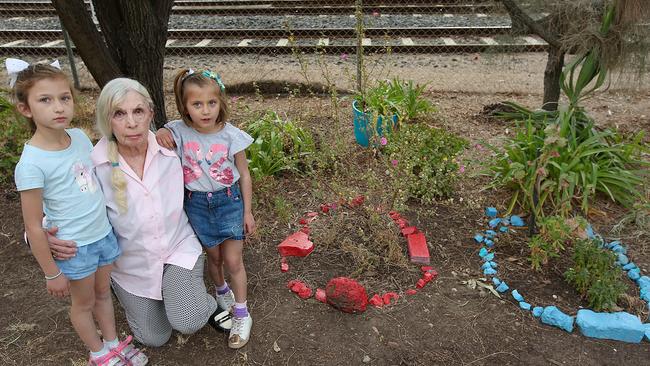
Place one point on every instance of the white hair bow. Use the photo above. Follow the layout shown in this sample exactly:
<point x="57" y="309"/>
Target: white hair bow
<point x="14" y="66"/>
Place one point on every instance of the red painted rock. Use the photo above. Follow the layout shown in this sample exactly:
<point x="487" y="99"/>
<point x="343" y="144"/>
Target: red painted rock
<point x="420" y="283"/>
<point x="296" y="245"/>
<point x="409" y="230"/>
<point x="346" y="295"/>
<point x="390" y="296"/>
<point x="376" y="301"/>
<point x="305" y="293"/>
<point x="428" y="276"/>
<point x="320" y="295"/>
<point x="357" y="201"/>
<point x="298" y="286"/>
<point x="426" y="268"/>
<point x="291" y="283"/>
<point x="394" y="215"/>
<point x="303" y="221"/>
<point x="284" y="267"/>
<point x="411" y="291"/>
<point x="418" y="250"/>
<point x="325" y="208"/>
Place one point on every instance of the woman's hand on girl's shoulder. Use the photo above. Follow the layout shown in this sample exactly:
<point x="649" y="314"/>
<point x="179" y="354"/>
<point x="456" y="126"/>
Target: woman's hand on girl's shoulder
<point x="165" y="138"/>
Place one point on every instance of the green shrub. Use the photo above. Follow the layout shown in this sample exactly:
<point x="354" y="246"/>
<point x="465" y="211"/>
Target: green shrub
<point x="567" y="160"/>
<point x="555" y="234"/>
<point x="13" y="134"/>
<point x="279" y="146"/>
<point x="595" y="275"/>
<point x="396" y="97"/>
<point x="423" y="161"/>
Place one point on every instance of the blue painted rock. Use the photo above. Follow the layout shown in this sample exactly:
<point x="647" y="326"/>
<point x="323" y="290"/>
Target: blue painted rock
<point x="494" y="222"/>
<point x="488" y="257"/>
<point x="619" y="326"/>
<point x="491" y="212"/>
<point x="590" y="232"/>
<point x="489" y="243"/>
<point x="482" y="253"/>
<point x="516" y="221"/>
<point x="502" y="287"/>
<point x="619" y="249"/>
<point x="629" y="266"/>
<point x="622" y="259"/>
<point x="634" y="274"/>
<point x="489" y="271"/>
<point x="555" y="317"/>
<point x="613" y="244"/>
<point x="496" y="281"/>
<point x="478" y="238"/>
<point x="537" y="311"/>
<point x="644" y="281"/>
<point x="490" y="233"/>
<point x="647" y="331"/>
<point x="503" y="229"/>
<point x="517" y="296"/>
<point x="524" y="305"/>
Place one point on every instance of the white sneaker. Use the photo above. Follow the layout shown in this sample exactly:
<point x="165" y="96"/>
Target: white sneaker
<point x="240" y="332"/>
<point x="225" y="301"/>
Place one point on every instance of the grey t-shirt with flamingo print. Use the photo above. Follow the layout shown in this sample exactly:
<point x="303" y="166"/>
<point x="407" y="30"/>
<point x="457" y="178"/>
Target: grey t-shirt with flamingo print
<point x="208" y="159"/>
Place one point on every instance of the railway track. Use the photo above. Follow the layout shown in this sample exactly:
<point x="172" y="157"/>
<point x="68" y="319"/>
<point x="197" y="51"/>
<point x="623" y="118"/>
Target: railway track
<point x="275" y="7"/>
<point x="278" y="41"/>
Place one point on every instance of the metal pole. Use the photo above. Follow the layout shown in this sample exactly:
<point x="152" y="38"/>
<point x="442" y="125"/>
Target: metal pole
<point x="359" y="17"/>
<point x="73" y="67"/>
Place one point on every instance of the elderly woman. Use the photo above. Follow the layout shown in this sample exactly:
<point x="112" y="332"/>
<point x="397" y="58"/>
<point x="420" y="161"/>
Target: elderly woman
<point x="158" y="279"/>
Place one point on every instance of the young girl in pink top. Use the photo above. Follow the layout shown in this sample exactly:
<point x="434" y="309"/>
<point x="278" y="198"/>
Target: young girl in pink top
<point x="54" y="176"/>
<point x="218" y="186"/>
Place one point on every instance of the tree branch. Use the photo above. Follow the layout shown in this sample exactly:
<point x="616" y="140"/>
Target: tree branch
<point x="516" y="12"/>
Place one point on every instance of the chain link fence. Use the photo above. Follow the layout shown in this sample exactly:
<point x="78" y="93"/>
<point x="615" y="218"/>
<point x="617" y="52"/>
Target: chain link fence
<point x="295" y="40"/>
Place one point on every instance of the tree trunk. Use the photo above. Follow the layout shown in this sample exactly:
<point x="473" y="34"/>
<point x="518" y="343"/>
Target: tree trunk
<point x="131" y="44"/>
<point x="88" y="41"/>
<point x="554" y="65"/>
<point x="136" y="32"/>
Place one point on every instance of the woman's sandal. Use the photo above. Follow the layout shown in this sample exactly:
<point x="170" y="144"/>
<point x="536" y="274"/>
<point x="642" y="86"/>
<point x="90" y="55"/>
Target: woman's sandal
<point x="221" y="320"/>
<point x="131" y="355"/>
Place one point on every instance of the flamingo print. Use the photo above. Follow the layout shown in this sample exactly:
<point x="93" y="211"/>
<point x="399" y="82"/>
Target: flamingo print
<point x="193" y="171"/>
<point x="220" y="153"/>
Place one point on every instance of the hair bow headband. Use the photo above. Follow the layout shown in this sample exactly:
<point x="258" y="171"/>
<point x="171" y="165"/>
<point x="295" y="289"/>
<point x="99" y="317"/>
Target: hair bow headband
<point x="14" y="66"/>
<point x="208" y="74"/>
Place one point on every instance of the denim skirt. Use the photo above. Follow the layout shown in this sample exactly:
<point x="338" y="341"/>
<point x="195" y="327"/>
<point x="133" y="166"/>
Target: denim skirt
<point x="216" y="216"/>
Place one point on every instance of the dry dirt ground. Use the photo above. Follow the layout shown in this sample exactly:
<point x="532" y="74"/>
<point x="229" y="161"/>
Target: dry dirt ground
<point x="444" y="324"/>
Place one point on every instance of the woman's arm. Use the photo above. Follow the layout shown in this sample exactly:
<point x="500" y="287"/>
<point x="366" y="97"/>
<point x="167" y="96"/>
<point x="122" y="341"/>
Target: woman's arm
<point x="32" y="205"/>
<point x="246" y="186"/>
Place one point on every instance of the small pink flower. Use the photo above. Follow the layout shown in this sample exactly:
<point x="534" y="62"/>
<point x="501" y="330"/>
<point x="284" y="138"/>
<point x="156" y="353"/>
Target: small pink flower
<point x="344" y="56"/>
<point x="461" y="169"/>
<point x="394" y="162"/>
<point x="383" y="141"/>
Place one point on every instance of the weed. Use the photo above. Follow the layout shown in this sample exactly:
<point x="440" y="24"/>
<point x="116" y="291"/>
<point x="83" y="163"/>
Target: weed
<point x="278" y="146"/>
<point x="595" y="275"/>
<point x="422" y="161"/>
<point x="555" y="234"/>
<point x="14" y="131"/>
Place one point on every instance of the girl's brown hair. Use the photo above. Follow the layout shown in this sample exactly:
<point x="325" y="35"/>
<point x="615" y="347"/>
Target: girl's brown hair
<point x="186" y="76"/>
<point x="26" y="79"/>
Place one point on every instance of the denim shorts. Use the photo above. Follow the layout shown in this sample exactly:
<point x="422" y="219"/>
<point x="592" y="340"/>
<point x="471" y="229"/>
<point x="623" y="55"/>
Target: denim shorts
<point x="89" y="257"/>
<point x="216" y="216"/>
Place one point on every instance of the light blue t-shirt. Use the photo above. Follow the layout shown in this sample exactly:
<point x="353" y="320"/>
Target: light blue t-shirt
<point x="208" y="158"/>
<point x="72" y="197"/>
